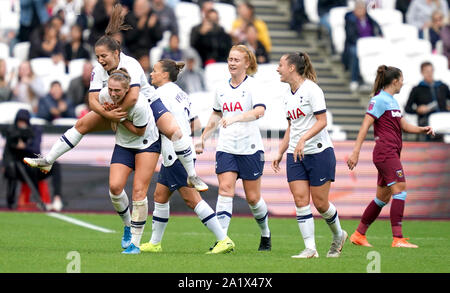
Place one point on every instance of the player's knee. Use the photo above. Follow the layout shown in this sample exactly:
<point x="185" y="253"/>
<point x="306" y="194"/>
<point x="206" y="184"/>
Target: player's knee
<point x="321" y="205"/>
<point x="81" y="126"/>
<point x="253" y="199"/>
<point x="116" y="189"/>
<point x="160" y="197"/>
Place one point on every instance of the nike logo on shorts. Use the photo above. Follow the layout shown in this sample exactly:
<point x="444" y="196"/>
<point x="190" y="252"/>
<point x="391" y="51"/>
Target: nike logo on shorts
<point x="322" y="179"/>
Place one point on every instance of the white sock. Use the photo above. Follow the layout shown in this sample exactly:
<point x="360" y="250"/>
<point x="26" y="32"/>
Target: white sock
<point x="120" y="204"/>
<point x="159" y="221"/>
<point x="306" y="224"/>
<point x="138" y="219"/>
<point x="65" y="143"/>
<point x="185" y="154"/>
<point x="261" y="215"/>
<point x="209" y="218"/>
<point x="224" y="211"/>
<point x="332" y="219"/>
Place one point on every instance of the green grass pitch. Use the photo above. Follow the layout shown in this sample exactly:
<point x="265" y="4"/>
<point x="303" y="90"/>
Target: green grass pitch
<point x="38" y="243"/>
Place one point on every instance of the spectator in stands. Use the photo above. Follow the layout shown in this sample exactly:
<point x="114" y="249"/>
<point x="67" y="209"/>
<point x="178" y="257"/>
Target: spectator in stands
<point x="75" y="49"/>
<point x="420" y="11"/>
<point x="101" y="14"/>
<point x="86" y="19"/>
<point x="358" y="24"/>
<point x="166" y="16"/>
<point x="252" y="42"/>
<point x="23" y="140"/>
<point x="191" y="79"/>
<point x="29" y="88"/>
<point x="246" y="14"/>
<point x="445" y="37"/>
<point x="173" y="51"/>
<point x="79" y="86"/>
<point x="298" y="15"/>
<point x="210" y="40"/>
<point x="68" y="10"/>
<point x="45" y="41"/>
<point x="33" y="13"/>
<point x="146" y="32"/>
<point x="5" y="88"/>
<point x="433" y="32"/>
<point x="429" y="96"/>
<point x="402" y="6"/>
<point x="323" y="9"/>
<point x="55" y="104"/>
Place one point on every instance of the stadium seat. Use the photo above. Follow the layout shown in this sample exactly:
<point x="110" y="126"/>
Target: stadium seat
<point x="440" y="122"/>
<point x="215" y="73"/>
<point x="64" y="80"/>
<point x="38" y="121"/>
<point x="76" y="67"/>
<point x="64" y="121"/>
<point x="386" y="16"/>
<point x="388" y="4"/>
<point x="155" y="55"/>
<point x="9" y="111"/>
<point x="188" y="15"/>
<point x="45" y="66"/>
<point x="311" y="10"/>
<point x="403" y="95"/>
<point x="12" y="66"/>
<point x="440" y="64"/>
<point x="9" y="18"/>
<point x="227" y="14"/>
<point x="202" y="103"/>
<point x="337" y="22"/>
<point x="4" y="51"/>
<point x="373" y="52"/>
<point x="412" y="47"/>
<point x="21" y="50"/>
<point x="399" y="32"/>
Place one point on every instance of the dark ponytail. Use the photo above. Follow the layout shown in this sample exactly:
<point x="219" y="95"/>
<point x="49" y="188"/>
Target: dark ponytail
<point x="385" y="76"/>
<point x="172" y="67"/>
<point x="115" y="25"/>
<point x="302" y="64"/>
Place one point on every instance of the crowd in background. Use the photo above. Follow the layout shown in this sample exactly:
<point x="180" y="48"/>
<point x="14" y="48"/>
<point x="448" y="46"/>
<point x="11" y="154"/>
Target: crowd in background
<point x="65" y="30"/>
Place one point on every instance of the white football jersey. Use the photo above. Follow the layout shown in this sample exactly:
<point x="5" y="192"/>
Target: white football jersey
<point x="300" y="108"/>
<point x="141" y="116"/>
<point x="99" y="77"/>
<point x="178" y="103"/>
<point x="240" y="138"/>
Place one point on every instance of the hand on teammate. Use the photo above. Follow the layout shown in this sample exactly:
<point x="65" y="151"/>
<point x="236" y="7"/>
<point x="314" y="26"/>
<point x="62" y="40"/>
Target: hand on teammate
<point x="224" y="122"/>
<point x="113" y="112"/>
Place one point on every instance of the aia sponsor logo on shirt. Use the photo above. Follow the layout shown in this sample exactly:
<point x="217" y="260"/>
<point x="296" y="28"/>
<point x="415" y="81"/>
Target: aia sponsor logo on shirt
<point x="396" y="113"/>
<point x="399" y="173"/>
<point x="295" y="114"/>
<point x="232" y="107"/>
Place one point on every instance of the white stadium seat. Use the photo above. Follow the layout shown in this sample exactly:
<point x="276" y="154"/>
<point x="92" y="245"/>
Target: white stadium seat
<point x="399" y="32"/>
<point x="311" y="10"/>
<point x="202" y="103"/>
<point x="440" y="122"/>
<point x="4" y="51"/>
<point x="373" y="52"/>
<point x="227" y="14"/>
<point x="215" y="73"/>
<point x="9" y="111"/>
<point x="386" y="16"/>
<point x="21" y="50"/>
<point x="76" y="67"/>
<point x="188" y="15"/>
<point x="337" y="23"/>
<point x="45" y="66"/>
<point x="155" y="55"/>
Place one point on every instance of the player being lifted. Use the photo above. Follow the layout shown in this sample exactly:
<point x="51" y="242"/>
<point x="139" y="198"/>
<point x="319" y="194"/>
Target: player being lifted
<point x="109" y="57"/>
<point x="386" y="116"/>
<point x="237" y="105"/>
<point x="137" y="148"/>
<point x="172" y="175"/>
